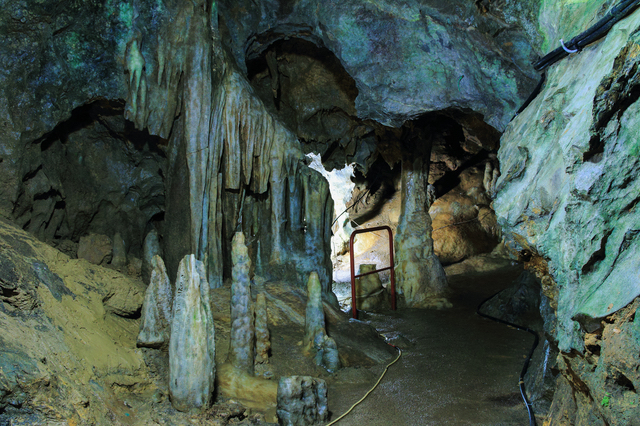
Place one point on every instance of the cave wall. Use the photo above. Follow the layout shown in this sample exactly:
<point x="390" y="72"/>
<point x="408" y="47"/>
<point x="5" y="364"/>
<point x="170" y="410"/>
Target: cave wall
<point x="406" y="58"/>
<point x="567" y="199"/>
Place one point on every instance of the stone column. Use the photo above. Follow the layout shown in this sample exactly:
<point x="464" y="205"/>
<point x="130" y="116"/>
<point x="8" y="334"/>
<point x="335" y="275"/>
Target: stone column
<point x="419" y="274"/>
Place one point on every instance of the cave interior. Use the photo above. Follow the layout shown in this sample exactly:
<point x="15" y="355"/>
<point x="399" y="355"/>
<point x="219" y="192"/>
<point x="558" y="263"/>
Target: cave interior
<point x="180" y="182"/>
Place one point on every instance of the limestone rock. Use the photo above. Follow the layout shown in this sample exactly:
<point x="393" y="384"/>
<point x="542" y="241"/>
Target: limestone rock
<point x="463" y="223"/>
<point x="419" y="273"/>
<point x="316" y="341"/>
<point x="155" y="322"/>
<point x="119" y="259"/>
<point x="369" y="291"/>
<point x="567" y="201"/>
<point x="302" y="400"/>
<point x="441" y="44"/>
<point x="150" y="248"/>
<point x="242" y="340"/>
<point x="124" y="297"/>
<point x="95" y="248"/>
<point x="192" y="343"/>
<point x="263" y="342"/>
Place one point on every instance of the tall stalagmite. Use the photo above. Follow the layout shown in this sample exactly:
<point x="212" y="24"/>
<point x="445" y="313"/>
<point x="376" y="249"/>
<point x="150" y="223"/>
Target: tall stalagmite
<point x="242" y="339"/>
<point x="192" y="367"/>
<point x="419" y="273"/>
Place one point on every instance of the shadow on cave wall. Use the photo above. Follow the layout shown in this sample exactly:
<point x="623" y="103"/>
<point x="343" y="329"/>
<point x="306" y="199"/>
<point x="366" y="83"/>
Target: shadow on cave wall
<point x="92" y="173"/>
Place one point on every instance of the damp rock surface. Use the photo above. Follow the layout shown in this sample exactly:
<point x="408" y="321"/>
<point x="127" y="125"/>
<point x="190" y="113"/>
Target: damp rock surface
<point x="567" y="201"/>
<point x="302" y="400"/>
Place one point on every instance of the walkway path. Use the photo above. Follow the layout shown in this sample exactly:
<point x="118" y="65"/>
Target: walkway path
<point x="457" y="368"/>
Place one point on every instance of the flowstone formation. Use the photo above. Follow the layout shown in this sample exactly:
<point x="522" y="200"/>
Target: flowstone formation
<point x="302" y="400"/>
<point x="419" y="274"/>
<point x="155" y="321"/>
<point x="316" y="341"/>
<point x="242" y="340"/>
<point x="567" y="199"/>
<point x="192" y="349"/>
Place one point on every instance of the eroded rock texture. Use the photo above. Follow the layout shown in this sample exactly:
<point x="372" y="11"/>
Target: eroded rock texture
<point x="155" y="321"/>
<point x="192" y="348"/>
<point x="568" y="196"/>
<point x="419" y="273"/>
<point x="460" y="49"/>
<point x="302" y="400"/>
<point x="243" y="336"/>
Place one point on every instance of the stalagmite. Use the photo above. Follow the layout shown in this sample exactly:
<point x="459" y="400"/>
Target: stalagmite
<point x="263" y="344"/>
<point x="419" y="273"/>
<point x="119" y="259"/>
<point x="151" y="248"/>
<point x="302" y="400"/>
<point x="155" y="321"/>
<point x="241" y="344"/>
<point x="192" y="344"/>
<point x="316" y="341"/>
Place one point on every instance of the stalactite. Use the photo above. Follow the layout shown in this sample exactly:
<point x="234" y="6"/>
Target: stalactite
<point x="225" y="144"/>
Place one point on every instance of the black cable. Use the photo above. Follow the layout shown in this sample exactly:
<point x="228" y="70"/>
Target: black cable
<point x="595" y="32"/>
<point x="532" y="418"/>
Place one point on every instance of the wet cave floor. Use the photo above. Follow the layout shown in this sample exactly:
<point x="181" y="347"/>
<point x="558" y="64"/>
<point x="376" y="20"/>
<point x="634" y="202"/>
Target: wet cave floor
<point x="456" y="368"/>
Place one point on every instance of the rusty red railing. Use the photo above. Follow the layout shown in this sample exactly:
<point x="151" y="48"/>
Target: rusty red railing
<point x="354" y="309"/>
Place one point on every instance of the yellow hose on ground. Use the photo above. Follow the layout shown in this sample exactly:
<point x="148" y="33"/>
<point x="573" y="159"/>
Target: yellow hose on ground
<point x="370" y="390"/>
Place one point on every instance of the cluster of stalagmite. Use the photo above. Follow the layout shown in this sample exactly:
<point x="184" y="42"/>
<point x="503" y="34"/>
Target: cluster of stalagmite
<point x="184" y="322"/>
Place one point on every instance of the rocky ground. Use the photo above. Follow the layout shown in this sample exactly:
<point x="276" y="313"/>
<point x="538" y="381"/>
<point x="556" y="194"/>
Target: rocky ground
<point x="69" y="355"/>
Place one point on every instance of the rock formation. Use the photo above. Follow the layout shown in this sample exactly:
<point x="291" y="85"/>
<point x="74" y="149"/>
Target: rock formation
<point x="316" y="341"/>
<point x="150" y="248"/>
<point x="419" y="274"/>
<point x="263" y="342"/>
<point x="369" y="291"/>
<point x="567" y="201"/>
<point x="119" y="258"/>
<point x="463" y="222"/>
<point x="302" y="400"/>
<point x="155" y="321"/>
<point x="192" y="367"/>
<point x="242" y="340"/>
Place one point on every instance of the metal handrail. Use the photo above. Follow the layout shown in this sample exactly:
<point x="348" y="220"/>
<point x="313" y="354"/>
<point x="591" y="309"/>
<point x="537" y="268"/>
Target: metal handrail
<point x="389" y="268"/>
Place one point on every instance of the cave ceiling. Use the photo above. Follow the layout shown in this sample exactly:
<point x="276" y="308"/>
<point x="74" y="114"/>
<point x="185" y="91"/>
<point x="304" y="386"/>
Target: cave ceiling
<point x="406" y="58"/>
